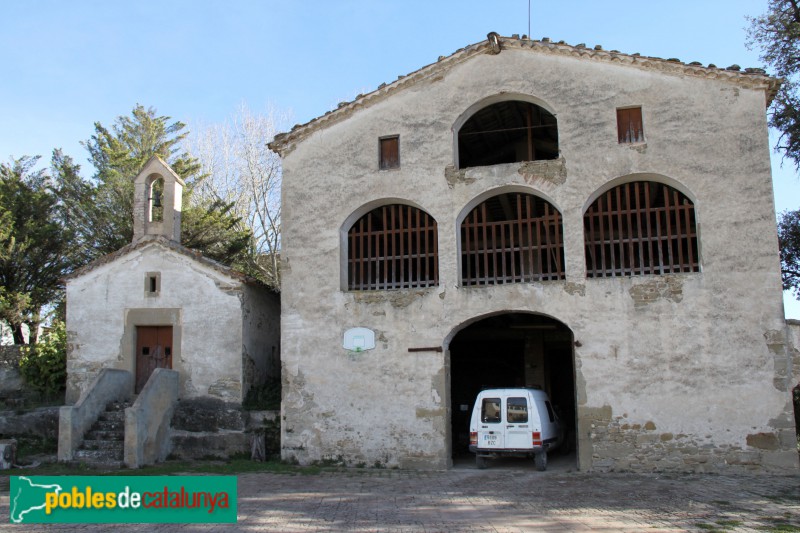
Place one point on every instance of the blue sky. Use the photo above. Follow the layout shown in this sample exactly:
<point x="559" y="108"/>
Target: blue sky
<point x="68" y="64"/>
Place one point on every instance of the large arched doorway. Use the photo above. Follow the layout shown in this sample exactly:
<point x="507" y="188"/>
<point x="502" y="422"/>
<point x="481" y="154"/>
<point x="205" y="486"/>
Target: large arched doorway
<point x="511" y="350"/>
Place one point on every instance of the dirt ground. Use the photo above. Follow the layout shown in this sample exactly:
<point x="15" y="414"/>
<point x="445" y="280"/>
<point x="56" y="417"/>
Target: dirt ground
<point x="509" y="496"/>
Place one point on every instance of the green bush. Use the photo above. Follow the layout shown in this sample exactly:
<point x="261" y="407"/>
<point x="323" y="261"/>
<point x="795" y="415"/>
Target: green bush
<point x="44" y="365"/>
<point x="266" y="397"/>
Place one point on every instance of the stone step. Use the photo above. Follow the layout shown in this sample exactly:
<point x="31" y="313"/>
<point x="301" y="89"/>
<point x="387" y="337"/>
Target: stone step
<point x="99" y="464"/>
<point x="105" y="434"/>
<point x="103" y="444"/>
<point x="86" y="456"/>
<point x="108" y="425"/>
<point x="112" y="416"/>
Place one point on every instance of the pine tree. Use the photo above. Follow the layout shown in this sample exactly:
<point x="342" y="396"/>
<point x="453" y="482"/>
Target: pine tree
<point x="100" y="212"/>
<point x="33" y="246"/>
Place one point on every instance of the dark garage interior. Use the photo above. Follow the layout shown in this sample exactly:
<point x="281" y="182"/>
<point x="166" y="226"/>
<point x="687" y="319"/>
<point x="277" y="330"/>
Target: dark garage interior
<point x="511" y="350"/>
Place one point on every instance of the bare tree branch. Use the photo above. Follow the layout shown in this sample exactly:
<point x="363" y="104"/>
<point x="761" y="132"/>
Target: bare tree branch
<point x="240" y="168"/>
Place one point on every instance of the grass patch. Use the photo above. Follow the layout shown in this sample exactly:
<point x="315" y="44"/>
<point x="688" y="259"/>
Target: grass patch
<point x="785" y="495"/>
<point x="173" y="467"/>
<point x="707" y="527"/>
<point x="780" y="528"/>
<point x="719" y="525"/>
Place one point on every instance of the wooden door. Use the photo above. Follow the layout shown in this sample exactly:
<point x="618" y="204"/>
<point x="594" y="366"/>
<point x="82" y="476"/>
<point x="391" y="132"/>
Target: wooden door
<point x="153" y="350"/>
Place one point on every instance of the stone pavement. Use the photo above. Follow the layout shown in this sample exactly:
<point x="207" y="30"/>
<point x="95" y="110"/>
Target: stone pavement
<point x="510" y="496"/>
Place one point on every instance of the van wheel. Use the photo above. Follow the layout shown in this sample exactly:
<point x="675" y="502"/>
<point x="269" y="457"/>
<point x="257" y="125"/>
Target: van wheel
<point x="480" y="462"/>
<point x="540" y="459"/>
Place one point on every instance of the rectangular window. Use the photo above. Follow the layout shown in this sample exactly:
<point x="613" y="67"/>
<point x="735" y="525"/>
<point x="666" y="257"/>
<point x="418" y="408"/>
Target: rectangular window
<point x="390" y="152"/>
<point x="629" y="125"/>
<point x="152" y="283"/>
<point x="517" y="410"/>
<point x="490" y="410"/>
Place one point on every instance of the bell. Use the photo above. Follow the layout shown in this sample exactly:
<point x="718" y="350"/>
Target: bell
<point x="156" y="199"/>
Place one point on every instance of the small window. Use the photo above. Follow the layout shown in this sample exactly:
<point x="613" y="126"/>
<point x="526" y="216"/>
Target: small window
<point x="490" y="410"/>
<point x="517" y="410"/>
<point x="390" y="152"/>
<point x="152" y="283"/>
<point x="629" y="125"/>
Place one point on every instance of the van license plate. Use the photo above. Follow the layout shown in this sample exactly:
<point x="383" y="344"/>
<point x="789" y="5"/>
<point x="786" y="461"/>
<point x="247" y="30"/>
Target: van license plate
<point x="490" y="440"/>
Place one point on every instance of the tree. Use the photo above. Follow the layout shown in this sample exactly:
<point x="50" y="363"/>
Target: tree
<point x="789" y="237"/>
<point x="100" y="212"/>
<point x="33" y="246"/>
<point x="777" y="34"/>
<point x="242" y="170"/>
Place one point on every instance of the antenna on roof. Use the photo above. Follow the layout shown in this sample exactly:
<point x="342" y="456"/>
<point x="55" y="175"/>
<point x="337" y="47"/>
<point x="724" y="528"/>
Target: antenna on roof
<point x="529" y="19"/>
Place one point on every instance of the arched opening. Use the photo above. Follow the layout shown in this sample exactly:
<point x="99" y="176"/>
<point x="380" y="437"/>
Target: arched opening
<point x="507" y="132"/>
<point x="512" y="350"/>
<point x="155" y="199"/>
<point x="638" y="228"/>
<point x="393" y="246"/>
<point x="513" y="237"/>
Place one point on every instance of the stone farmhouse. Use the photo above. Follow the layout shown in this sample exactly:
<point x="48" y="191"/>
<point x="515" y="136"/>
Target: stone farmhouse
<point x="526" y="212"/>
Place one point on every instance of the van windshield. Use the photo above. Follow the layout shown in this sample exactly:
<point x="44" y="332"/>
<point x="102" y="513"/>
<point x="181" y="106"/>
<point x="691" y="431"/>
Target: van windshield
<point x="490" y="410"/>
<point x="517" y="410"/>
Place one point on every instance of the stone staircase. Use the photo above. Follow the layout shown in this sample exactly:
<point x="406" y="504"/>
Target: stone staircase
<point x="104" y="444"/>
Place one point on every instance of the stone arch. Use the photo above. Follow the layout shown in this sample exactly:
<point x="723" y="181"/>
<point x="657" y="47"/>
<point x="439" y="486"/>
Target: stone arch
<point x="510" y="234"/>
<point x="510" y="348"/>
<point x="640" y="176"/>
<point x="155" y="197"/>
<point x="389" y="244"/>
<point x="505" y="128"/>
<point x="641" y="224"/>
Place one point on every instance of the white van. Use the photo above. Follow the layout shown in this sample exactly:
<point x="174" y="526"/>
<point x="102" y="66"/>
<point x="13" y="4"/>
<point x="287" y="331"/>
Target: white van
<point x="514" y="422"/>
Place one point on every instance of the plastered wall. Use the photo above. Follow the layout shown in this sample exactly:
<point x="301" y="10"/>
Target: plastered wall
<point x="203" y="306"/>
<point x="680" y="372"/>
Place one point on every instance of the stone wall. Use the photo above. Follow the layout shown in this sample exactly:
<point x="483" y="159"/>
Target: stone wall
<point x="39" y="422"/>
<point x="208" y="427"/>
<point x="203" y="306"/>
<point x="620" y="445"/>
<point x="11" y="382"/>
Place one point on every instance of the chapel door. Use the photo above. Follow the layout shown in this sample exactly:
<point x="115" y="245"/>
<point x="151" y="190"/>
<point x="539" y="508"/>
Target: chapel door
<point x="153" y="350"/>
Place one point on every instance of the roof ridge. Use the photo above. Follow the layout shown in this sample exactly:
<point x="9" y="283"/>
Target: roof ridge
<point x="167" y="243"/>
<point x="284" y="143"/>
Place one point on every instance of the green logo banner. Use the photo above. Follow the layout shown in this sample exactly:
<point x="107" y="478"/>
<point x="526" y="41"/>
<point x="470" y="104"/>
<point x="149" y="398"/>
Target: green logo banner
<point x="122" y="499"/>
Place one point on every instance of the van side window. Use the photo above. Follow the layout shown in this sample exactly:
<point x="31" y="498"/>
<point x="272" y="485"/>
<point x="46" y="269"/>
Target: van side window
<point x="490" y="410"/>
<point x="550" y="411"/>
<point x="516" y="410"/>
